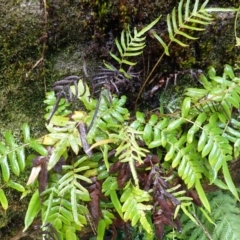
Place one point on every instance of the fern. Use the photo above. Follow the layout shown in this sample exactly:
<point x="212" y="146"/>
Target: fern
<point x="144" y="168"/>
<point x="179" y="23"/>
<point x="130" y="46"/>
<point x="109" y="114"/>
<point x="129" y="151"/>
<point x="65" y="211"/>
<point x="225" y="215"/>
<point x="13" y="160"/>
<point x="133" y="207"/>
<point x="196" y="16"/>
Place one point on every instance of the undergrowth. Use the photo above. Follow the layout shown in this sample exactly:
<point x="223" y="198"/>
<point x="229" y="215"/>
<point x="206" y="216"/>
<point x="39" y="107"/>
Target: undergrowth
<point x="103" y="168"/>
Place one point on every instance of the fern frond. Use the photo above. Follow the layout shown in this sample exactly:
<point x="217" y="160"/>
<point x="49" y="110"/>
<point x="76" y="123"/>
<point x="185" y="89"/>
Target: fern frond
<point x="129" y="151"/>
<point x="12" y="154"/>
<point x="58" y="210"/>
<point x="62" y="207"/>
<point x="107" y="116"/>
<point x="183" y="19"/>
<point x="131" y="45"/>
<point x="133" y="207"/>
<point x="225" y="215"/>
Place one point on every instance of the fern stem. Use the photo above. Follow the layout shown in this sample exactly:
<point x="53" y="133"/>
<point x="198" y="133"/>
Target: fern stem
<point x="203" y="227"/>
<point x="149" y="75"/>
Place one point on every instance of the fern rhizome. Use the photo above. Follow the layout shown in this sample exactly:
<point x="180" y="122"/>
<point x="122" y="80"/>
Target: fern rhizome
<point x="98" y="167"/>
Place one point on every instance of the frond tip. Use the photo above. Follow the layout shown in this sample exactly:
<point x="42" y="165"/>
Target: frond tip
<point x="177" y="22"/>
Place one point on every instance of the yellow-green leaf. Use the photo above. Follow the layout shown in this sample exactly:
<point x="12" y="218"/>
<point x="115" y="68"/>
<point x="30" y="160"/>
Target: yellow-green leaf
<point x="202" y="195"/>
<point x="32" y="211"/>
<point x="3" y="200"/>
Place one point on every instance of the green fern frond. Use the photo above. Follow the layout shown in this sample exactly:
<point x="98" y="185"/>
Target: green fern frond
<point x="109" y="115"/>
<point x="129" y="150"/>
<point x="184" y="19"/>
<point x="133" y="207"/>
<point x="196" y="16"/>
<point x="225" y="215"/>
<point x="62" y="207"/>
<point x="70" y="179"/>
<point x="221" y="93"/>
<point x="58" y="210"/>
<point x="131" y="45"/>
<point x="12" y="157"/>
<point x="12" y="154"/>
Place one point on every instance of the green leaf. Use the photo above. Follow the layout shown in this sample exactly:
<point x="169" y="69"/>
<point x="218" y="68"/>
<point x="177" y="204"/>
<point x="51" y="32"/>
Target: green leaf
<point x="228" y="180"/>
<point x="202" y="195"/>
<point x="73" y="143"/>
<point x="59" y="150"/>
<point x="14" y="163"/>
<point x="208" y="147"/>
<point x="3" y="200"/>
<point x="26" y="132"/>
<point x="146" y="225"/>
<point x="38" y="148"/>
<point x="119" y="47"/>
<point x="175" y="124"/>
<point x="10" y="139"/>
<point x="164" y="45"/>
<point x="116" y="203"/>
<point x="70" y="234"/>
<point x="49" y="206"/>
<point x="21" y="158"/>
<point x="74" y="205"/>
<point x="140" y="117"/>
<point x="115" y="57"/>
<point x="58" y="224"/>
<point x="16" y="186"/>
<point x="33" y="209"/>
<point x="5" y="168"/>
<point x="147" y="133"/>
<point x="186" y="107"/>
<point x="203" y="138"/>
<point x="101" y="229"/>
<point x="149" y="26"/>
